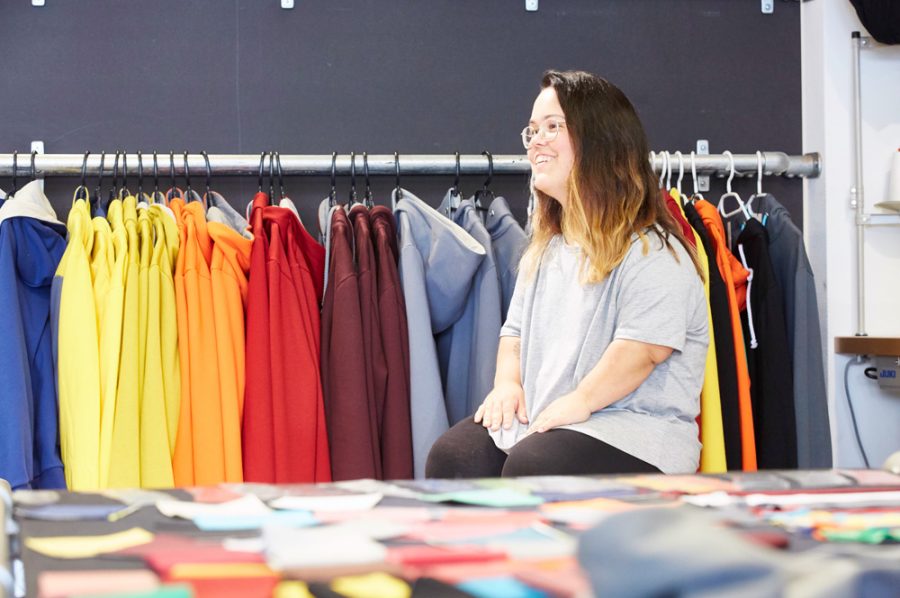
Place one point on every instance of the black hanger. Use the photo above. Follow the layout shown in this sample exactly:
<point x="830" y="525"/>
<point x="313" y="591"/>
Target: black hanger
<point x="397" y="188"/>
<point x="187" y="177"/>
<point x="99" y="190"/>
<point x="155" y="173"/>
<point x="33" y="171"/>
<point x="280" y="175"/>
<point x="15" y="171"/>
<point x="483" y="194"/>
<point x="332" y="197"/>
<point x="262" y="161"/>
<point x="208" y="195"/>
<point x="353" y="199"/>
<point x="368" y="196"/>
<point x="455" y="187"/>
<point x="82" y="188"/>
<point x="114" y="189"/>
<point x="156" y="191"/>
<point x="173" y="191"/>
<point x="123" y="190"/>
<point x="272" y="178"/>
<point x="140" y="187"/>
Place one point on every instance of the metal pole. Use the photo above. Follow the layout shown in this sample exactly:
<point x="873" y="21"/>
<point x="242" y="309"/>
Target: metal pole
<point x="775" y="163"/>
<point x="858" y="198"/>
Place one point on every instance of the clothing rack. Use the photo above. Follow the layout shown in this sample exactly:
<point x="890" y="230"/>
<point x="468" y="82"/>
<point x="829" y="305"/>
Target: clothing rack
<point x="773" y="164"/>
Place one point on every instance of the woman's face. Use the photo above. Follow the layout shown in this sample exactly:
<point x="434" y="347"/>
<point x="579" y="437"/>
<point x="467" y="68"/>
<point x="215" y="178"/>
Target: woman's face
<point x="551" y="159"/>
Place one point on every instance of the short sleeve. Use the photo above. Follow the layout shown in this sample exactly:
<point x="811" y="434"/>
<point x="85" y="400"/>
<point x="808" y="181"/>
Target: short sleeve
<point x="656" y="298"/>
<point x="513" y="324"/>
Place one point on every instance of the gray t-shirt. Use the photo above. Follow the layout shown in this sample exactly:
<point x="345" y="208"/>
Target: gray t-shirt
<point x="565" y="328"/>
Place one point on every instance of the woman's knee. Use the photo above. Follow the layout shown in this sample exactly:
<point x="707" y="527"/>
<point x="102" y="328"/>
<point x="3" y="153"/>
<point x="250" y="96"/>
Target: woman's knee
<point x="464" y="451"/>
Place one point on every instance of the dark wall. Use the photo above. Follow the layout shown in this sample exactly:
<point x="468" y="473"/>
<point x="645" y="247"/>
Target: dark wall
<point x="435" y="76"/>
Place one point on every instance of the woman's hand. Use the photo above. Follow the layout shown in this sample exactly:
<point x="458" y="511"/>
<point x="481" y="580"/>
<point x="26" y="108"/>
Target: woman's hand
<point x="572" y="408"/>
<point x="505" y="401"/>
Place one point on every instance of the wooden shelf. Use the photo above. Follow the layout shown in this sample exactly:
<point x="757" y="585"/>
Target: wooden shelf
<point x="867" y="345"/>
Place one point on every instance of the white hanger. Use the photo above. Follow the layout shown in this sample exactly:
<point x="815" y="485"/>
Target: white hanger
<point x="669" y="170"/>
<point x="759" y="191"/>
<point x="742" y="207"/>
<point x="696" y="194"/>
<point x="653" y="161"/>
<point x="680" y="173"/>
<point x="665" y="168"/>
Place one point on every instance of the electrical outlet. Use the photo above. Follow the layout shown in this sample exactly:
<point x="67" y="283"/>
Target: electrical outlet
<point x="888" y="371"/>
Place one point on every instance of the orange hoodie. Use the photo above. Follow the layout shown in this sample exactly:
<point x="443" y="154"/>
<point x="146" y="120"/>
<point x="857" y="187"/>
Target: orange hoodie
<point x="229" y="268"/>
<point x="735" y="277"/>
<point x="199" y="446"/>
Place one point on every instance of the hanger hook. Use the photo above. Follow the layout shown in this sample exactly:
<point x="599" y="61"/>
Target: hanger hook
<point x="81" y="191"/>
<point x="694" y="170"/>
<point x="208" y="174"/>
<point x="33" y="170"/>
<point x="15" y="171"/>
<point x="680" y="170"/>
<point x="352" y="178"/>
<point x="262" y="162"/>
<point x="140" y="160"/>
<point x="155" y="172"/>
<point x="456" y="180"/>
<point x="124" y="190"/>
<point x="280" y="175"/>
<point x="490" y="158"/>
<point x="172" y="168"/>
<point x="398" y="188"/>
<point x="731" y="170"/>
<point x="272" y="178"/>
<point x="668" y="170"/>
<point x="187" y="176"/>
<point x="368" y="195"/>
<point x="99" y="188"/>
<point x="84" y="168"/>
<point x="759" y="172"/>
<point x="115" y="188"/>
<point x="333" y="195"/>
<point x="664" y="169"/>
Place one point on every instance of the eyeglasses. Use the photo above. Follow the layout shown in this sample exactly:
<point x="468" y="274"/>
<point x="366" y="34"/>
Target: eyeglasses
<point x="548" y="130"/>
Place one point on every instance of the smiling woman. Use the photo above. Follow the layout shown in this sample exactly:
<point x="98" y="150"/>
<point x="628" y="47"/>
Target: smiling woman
<point x="602" y="354"/>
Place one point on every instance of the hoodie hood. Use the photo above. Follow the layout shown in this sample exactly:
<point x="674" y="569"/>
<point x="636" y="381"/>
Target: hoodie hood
<point x="38" y="250"/>
<point x="450" y="255"/>
<point x="219" y="210"/>
<point x="30" y="202"/>
<point x="499" y="218"/>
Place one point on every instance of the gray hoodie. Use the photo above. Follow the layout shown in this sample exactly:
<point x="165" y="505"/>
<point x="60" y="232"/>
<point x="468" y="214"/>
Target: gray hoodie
<point x="467" y="352"/>
<point x="509" y="242"/>
<point x="439" y="262"/>
<point x="798" y="290"/>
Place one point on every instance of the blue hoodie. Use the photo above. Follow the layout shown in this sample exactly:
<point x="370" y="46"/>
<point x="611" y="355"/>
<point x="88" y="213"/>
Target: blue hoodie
<point x="467" y="351"/>
<point x="509" y="242"/>
<point x="439" y="262"/>
<point x="31" y="245"/>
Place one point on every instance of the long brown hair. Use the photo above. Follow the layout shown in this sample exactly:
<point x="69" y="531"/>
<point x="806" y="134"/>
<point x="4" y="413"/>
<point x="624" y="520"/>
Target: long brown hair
<point x="612" y="191"/>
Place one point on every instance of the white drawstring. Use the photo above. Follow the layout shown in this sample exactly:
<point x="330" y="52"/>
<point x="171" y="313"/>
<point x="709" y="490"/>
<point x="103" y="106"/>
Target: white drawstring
<point x="753" y="343"/>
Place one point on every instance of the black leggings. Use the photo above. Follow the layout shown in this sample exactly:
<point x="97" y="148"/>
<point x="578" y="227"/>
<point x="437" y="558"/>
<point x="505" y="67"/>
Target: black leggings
<point x="467" y="451"/>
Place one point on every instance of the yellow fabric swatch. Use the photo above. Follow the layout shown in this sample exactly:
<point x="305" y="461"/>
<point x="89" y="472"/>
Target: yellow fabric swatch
<point x="292" y="589"/>
<point x="86" y="547"/>
<point x="219" y="570"/>
<point x="371" y="585"/>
